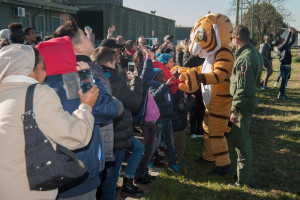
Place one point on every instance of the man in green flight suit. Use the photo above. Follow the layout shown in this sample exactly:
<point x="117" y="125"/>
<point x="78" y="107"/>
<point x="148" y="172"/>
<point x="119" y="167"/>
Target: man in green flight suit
<point x="245" y="80"/>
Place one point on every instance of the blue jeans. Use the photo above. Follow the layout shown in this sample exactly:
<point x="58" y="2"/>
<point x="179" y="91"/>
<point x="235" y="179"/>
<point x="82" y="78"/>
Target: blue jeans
<point x="133" y="162"/>
<point x="111" y="176"/>
<point x="164" y="127"/>
<point x="284" y="71"/>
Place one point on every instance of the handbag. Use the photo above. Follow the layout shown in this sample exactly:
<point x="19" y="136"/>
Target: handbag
<point x="46" y="168"/>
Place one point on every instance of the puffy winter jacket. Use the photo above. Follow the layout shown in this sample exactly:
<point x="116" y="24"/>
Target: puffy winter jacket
<point x="131" y="96"/>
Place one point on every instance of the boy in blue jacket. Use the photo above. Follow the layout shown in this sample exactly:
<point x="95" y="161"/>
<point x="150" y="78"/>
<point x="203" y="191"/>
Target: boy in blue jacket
<point x="161" y="92"/>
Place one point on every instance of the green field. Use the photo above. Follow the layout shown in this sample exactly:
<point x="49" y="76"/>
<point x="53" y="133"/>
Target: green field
<point x="275" y="132"/>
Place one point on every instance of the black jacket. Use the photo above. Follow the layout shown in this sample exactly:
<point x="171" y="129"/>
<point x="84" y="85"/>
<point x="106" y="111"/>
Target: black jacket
<point x="179" y="58"/>
<point x="163" y="98"/>
<point x="191" y="61"/>
<point x="131" y="96"/>
<point x="181" y="106"/>
<point x="285" y="49"/>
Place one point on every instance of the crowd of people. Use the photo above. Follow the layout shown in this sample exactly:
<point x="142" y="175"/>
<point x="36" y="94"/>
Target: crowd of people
<point x="134" y="88"/>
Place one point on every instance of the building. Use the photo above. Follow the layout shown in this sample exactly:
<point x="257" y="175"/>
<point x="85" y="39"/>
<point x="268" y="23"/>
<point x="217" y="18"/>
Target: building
<point x="130" y="23"/>
<point x="183" y="32"/>
<point x="44" y="16"/>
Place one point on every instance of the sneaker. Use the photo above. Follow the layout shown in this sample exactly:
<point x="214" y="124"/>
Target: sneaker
<point x="193" y="136"/>
<point x="151" y="166"/>
<point x="276" y="83"/>
<point x="266" y="88"/>
<point x="161" y="153"/>
<point x="282" y="96"/>
<point x="201" y="160"/>
<point x="175" y="169"/>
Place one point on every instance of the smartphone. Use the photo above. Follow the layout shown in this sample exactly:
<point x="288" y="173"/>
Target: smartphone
<point x="86" y="80"/>
<point x="131" y="66"/>
<point x="89" y="28"/>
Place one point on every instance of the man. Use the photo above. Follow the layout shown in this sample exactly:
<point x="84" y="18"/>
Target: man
<point x="168" y="38"/>
<point x="30" y="36"/>
<point x="265" y="50"/>
<point x="285" y="60"/>
<point x="155" y="46"/>
<point x="93" y="156"/>
<point x="245" y="80"/>
<point x="141" y="41"/>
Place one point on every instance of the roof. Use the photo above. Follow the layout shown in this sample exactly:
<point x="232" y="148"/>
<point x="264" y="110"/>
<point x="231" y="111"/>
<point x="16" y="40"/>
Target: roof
<point x="42" y="4"/>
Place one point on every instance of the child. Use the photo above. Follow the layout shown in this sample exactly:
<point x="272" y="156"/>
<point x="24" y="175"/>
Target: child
<point x="181" y="105"/>
<point x="161" y="92"/>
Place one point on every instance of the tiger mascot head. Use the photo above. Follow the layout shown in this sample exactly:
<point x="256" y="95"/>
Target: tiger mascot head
<point x="209" y="34"/>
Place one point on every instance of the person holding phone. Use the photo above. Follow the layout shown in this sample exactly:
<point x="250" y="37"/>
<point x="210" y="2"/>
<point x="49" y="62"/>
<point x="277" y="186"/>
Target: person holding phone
<point x="59" y="55"/>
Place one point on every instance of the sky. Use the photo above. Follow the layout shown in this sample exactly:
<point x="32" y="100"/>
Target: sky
<point x="187" y="12"/>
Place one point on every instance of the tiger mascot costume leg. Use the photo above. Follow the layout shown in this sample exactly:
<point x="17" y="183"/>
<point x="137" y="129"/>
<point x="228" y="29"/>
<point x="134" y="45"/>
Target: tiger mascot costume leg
<point x="210" y="38"/>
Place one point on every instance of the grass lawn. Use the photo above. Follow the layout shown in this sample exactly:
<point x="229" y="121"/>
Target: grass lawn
<point x="275" y="131"/>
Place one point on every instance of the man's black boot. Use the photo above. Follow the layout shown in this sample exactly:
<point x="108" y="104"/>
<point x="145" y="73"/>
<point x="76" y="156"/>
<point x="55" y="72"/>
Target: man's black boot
<point x="128" y="189"/>
<point x="222" y="170"/>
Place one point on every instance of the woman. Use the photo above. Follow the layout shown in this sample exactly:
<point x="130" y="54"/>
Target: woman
<point x="21" y="66"/>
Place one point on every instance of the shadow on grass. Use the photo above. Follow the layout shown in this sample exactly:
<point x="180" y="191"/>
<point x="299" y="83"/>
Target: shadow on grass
<point x="275" y="155"/>
<point x="168" y="188"/>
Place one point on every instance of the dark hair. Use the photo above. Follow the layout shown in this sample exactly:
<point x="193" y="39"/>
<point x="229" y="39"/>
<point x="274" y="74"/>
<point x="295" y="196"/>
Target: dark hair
<point x="242" y="33"/>
<point x="14" y="27"/>
<point x="138" y="58"/>
<point x="49" y="37"/>
<point x="128" y="44"/>
<point x="102" y="55"/>
<point x="37" y="57"/>
<point x="4" y="42"/>
<point x="16" y="32"/>
<point x="70" y="28"/>
<point x="27" y="30"/>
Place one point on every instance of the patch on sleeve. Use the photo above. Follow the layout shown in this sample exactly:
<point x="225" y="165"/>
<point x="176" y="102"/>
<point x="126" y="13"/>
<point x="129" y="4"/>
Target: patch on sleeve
<point x="243" y="68"/>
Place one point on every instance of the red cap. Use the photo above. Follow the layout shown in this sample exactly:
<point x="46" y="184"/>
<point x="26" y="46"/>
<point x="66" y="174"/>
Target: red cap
<point x="58" y="55"/>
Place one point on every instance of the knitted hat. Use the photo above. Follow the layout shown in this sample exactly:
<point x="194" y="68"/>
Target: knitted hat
<point x="58" y="55"/>
<point x="4" y="34"/>
<point x="164" y="58"/>
<point x="155" y="72"/>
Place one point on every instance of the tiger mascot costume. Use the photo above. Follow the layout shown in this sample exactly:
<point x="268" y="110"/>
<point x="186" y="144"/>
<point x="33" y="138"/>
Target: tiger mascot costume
<point x="210" y="37"/>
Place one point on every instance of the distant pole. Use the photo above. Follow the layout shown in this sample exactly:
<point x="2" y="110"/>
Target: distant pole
<point x="242" y="8"/>
<point x="237" y="12"/>
<point x="252" y="20"/>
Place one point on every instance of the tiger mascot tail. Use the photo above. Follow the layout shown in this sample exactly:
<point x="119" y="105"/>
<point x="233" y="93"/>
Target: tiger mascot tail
<point x="210" y="38"/>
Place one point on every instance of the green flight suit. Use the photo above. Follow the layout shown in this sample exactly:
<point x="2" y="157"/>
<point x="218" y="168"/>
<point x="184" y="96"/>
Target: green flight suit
<point x="245" y="80"/>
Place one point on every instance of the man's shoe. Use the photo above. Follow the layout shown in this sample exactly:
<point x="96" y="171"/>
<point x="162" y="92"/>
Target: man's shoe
<point x="201" y="160"/>
<point x="236" y="185"/>
<point x="175" y="169"/>
<point x="282" y="96"/>
<point x="128" y="189"/>
<point x="221" y="171"/>
<point x="135" y="130"/>
<point x="143" y="180"/>
<point x="266" y="88"/>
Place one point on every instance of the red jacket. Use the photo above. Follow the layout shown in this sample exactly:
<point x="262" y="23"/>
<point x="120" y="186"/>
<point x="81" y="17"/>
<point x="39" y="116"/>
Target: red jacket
<point x="58" y="55"/>
<point x="168" y="75"/>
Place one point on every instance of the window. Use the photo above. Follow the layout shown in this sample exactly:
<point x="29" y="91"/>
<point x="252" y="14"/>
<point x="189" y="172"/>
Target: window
<point x="40" y="24"/>
<point x="25" y="20"/>
<point x="55" y="23"/>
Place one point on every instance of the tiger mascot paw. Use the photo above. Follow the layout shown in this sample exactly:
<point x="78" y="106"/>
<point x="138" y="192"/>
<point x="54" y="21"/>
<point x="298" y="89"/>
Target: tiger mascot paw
<point x="191" y="79"/>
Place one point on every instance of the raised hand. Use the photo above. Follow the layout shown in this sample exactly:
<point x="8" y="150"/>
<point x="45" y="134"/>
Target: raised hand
<point x="111" y="29"/>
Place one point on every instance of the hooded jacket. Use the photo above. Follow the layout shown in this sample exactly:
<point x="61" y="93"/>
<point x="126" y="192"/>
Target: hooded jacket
<point x="162" y="95"/>
<point x="72" y="131"/>
<point x="131" y="97"/>
<point x="59" y="59"/>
